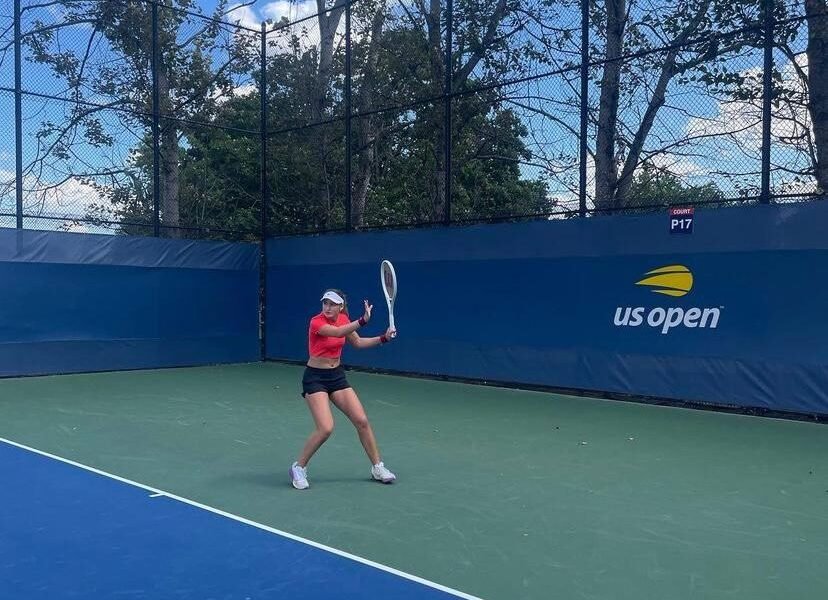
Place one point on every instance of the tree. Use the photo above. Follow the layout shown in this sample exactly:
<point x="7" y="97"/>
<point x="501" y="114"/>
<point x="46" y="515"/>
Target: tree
<point x="328" y="21"/>
<point x="493" y="43"/>
<point x="797" y="121"/>
<point x="689" y="33"/>
<point x="491" y="46"/>
<point x="369" y="128"/>
<point x="659" y="187"/>
<point x="487" y="149"/>
<point x="190" y="82"/>
<point x="219" y="167"/>
<point x="817" y="15"/>
<point x="394" y="142"/>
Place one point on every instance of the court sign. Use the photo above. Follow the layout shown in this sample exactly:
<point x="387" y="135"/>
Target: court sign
<point x="681" y="220"/>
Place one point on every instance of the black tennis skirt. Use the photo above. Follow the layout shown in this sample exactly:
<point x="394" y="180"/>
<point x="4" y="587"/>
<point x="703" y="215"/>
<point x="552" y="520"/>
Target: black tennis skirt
<point x="324" y="380"/>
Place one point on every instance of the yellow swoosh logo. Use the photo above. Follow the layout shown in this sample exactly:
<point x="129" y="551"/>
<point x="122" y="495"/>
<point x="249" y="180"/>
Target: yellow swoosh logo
<point x="672" y="280"/>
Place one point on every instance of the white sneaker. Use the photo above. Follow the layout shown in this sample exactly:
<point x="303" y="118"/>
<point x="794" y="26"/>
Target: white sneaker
<point x="299" y="477"/>
<point x="380" y="473"/>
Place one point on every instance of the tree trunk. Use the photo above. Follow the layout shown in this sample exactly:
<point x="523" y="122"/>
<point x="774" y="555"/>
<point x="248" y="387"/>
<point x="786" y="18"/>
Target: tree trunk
<point x="437" y="61"/>
<point x="367" y="131"/>
<point x="170" y="214"/>
<point x="625" y="180"/>
<point x="606" y="167"/>
<point x="817" y="14"/>
<point x="328" y="24"/>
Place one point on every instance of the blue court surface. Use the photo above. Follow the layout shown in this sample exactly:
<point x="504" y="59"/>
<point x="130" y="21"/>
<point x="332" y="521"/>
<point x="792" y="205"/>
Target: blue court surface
<point x="69" y="531"/>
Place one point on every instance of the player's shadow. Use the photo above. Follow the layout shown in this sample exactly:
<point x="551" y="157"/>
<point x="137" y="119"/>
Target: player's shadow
<point x="281" y="479"/>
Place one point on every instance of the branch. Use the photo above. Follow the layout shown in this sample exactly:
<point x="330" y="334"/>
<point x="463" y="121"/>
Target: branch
<point x="57" y="26"/>
<point x="669" y="69"/>
<point x="411" y="17"/>
<point x="84" y="60"/>
<point x="43" y="5"/>
<point x="207" y="85"/>
<point x="548" y="115"/>
<point x="491" y="30"/>
<point x="791" y="55"/>
<point x="69" y="128"/>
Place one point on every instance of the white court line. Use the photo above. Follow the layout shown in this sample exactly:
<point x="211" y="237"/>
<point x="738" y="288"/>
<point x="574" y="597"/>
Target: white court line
<point x="228" y="515"/>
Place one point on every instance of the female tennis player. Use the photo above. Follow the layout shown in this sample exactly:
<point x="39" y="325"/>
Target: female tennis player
<point x="324" y="379"/>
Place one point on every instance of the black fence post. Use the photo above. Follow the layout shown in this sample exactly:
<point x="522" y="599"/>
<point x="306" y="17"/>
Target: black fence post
<point x="348" y="113"/>
<point x="263" y="187"/>
<point x="447" y="108"/>
<point x="767" y="97"/>
<point x="18" y="116"/>
<point x="265" y="198"/>
<point x="156" y="112"/>
<point x="582" y="166"/>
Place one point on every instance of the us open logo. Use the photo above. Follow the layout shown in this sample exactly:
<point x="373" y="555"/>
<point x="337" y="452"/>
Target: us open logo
<point x="675" y="281"/>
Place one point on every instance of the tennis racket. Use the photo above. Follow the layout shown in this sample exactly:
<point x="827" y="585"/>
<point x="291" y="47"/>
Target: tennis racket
<point x="388" y="279"/>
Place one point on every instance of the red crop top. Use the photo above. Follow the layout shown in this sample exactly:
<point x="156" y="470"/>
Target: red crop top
<point x="325" y="346"/>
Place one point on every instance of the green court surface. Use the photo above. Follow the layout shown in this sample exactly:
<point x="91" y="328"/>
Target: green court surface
<point x="502" y="494"/>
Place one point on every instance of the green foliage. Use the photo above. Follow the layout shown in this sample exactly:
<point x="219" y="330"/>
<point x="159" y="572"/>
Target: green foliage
<point x="659" y="187"/>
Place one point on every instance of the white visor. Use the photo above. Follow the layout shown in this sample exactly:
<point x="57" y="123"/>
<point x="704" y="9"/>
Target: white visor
<point x="333" y="297"/>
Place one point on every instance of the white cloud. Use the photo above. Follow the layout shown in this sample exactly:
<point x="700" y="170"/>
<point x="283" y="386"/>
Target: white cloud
<point x="70" y="200"/>
<point x="680" y="166"/>
<point x="292" y="11"/>
<point x="741" y="120"/>
<point x="244" y="89"/>
<point x="306" y="31"/>
<point x="736" y="125"/>
<point x="243" y="15"/>
<point x="728" y="140"/>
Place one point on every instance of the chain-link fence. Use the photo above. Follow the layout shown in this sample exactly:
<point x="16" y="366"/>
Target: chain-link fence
<point x="147" y="117"/>
<point x="124" y="120"/>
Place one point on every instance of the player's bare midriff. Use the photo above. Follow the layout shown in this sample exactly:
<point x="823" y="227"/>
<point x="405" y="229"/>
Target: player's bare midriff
<point x="320" y="362"/>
